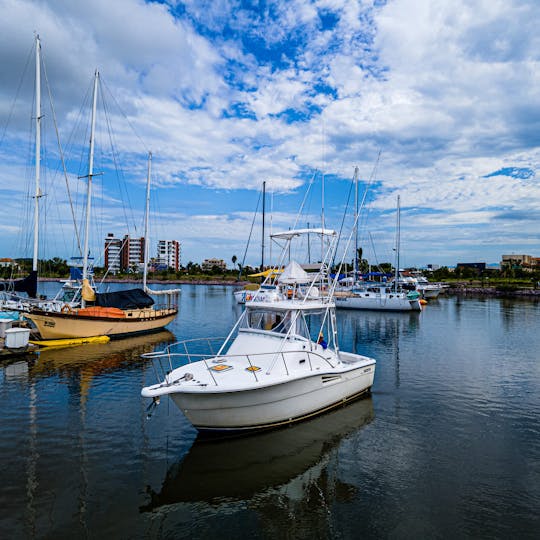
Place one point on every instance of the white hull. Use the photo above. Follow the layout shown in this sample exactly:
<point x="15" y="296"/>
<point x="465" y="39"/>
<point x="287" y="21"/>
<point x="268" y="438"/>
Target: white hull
<point x="61" y="326"/>
<point x="375" y="301"/>
<point x="278" y="365"/>
<point x="429" y="293"/>
<point x="275" y="405"/>
<point x="244" y="296"/>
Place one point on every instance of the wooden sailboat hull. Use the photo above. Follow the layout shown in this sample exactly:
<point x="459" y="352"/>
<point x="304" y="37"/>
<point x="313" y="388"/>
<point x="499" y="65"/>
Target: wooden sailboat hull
<point x="72" y="325"/>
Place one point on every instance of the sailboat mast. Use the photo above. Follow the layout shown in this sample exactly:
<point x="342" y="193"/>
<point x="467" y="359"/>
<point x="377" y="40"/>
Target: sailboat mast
<point x="90" y="174"/>
<point x="398" y="233"/>
<point x="263" y="223"/>
<point x="355" y="223"/>
<point x="146" y="214"/>
<point x="38" y="156"/>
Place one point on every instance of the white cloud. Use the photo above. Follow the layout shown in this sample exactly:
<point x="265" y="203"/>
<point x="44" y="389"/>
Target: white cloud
<point x="449" y="91"/>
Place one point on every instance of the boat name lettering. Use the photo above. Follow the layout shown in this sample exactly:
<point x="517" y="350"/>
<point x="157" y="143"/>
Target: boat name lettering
<point x="52" y="324"/>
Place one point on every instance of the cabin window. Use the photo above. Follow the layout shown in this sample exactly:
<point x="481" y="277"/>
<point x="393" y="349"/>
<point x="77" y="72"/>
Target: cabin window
<point x="274" y="321"/>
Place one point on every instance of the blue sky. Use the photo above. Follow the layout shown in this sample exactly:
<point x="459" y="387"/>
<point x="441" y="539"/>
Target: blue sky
<point x="227" y="94"/>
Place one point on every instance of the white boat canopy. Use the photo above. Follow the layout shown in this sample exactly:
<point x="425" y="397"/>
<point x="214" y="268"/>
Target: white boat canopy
<point x="287" y="235"/>
<point x="294" y="273"/>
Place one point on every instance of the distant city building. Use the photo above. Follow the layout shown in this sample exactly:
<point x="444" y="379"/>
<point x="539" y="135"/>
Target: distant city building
<point x="123" y="254"/>
<point x="479" y="267"/>
<point x="132" y="253"/>
<point x="523" y="262"/>
<point x="168" y="254"/>
<point x="209" y="264"/>
<point x="433" y="267"/>
<point x="6" y="262"/>
<point x="113" y="253"/>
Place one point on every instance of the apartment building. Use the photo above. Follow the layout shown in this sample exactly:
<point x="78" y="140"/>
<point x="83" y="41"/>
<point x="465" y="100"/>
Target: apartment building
<point x="208" y="264"/>
<point x="168" y="254"/>
<point x="123" y="254"/>
<point x="526" y="262"/>
<point x="113" y="253"/>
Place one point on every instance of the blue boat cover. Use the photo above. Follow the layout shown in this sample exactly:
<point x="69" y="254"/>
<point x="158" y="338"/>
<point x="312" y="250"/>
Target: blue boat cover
<point x="129" y="299"/>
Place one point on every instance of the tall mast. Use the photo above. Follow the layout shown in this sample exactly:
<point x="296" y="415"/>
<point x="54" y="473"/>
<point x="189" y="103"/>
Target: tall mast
<point x="355" y="223"/>
<point x="38" y="156"/>
<point x="398" y="233"/>
<point x="263" y="224"/>
<point x="271" y="223"/>
<point x="322" y="213"/>
<point x="146" y="214"/>
<point x="90" y="174"/>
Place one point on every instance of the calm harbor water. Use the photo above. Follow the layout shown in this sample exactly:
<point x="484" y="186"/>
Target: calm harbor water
<point x="447" y="446"/>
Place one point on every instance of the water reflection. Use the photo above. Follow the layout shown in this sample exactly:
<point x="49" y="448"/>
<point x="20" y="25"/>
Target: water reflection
<point x="98" y="357"/>
<point x="68" y="431"/>
<point x="289" y="461"/>
<point x="361" y="328"/>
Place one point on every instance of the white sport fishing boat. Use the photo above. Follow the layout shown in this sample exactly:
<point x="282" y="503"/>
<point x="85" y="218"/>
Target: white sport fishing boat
<point x="275" y="366"/>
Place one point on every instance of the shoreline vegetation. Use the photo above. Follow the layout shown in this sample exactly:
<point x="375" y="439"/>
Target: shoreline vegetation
<point x="508" y="281"/>
<point x="461" y="288"/>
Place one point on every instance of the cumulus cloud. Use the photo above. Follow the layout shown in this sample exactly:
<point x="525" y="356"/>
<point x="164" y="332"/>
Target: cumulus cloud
<point x="227" y="94"/>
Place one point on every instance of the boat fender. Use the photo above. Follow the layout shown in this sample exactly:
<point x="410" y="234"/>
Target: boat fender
<point x="66" y="308"/>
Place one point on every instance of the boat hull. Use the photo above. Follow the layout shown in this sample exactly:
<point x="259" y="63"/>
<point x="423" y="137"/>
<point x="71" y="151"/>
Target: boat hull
<point x="65" y="325"/>
<point x="430" y="293"/>
<point x="275" y="405"/>
<point x="375" y="302"/>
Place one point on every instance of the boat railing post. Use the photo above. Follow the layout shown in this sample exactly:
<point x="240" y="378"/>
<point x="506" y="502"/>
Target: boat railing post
<point x="158" y="377"/>
<point x="309" y="360"/>
<point x="210" y="371"/>
<point x="252" y="369"/>
<point x="284" y="362"/>
<point x="187" y="352"/>
<point x="170" y="361"/>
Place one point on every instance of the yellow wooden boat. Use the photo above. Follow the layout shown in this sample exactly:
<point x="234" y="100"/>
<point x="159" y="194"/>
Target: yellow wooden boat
<point x="71" y="341"/>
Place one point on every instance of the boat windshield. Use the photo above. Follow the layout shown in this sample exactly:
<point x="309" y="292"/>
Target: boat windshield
<point x="69" y="295"/>
<point x="276" y="321"/>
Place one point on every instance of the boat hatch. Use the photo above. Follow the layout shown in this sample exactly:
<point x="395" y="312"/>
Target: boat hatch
<point x="253" y="368"/>
<point x="220" y="367"/>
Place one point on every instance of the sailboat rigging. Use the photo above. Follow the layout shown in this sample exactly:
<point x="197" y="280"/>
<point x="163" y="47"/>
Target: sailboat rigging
<point x="116" y="313"/>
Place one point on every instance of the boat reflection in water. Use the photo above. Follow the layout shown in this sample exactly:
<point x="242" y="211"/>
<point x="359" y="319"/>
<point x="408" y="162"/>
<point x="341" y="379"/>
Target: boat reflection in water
<point x="288" y="461"/>
<point x="81" y="378"/>
<point x="98" y="357"/>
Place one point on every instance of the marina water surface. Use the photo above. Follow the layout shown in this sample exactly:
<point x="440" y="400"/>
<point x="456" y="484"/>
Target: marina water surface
<point x="446" y="446"/>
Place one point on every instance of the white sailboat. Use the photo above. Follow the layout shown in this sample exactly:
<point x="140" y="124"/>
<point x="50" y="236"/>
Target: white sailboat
<point x="381" y="296"/>
<point x="271" y="369"/>
<point x="112" y="314"/>
<point x="28" y="285"/>
<point x="69" y="294"/>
